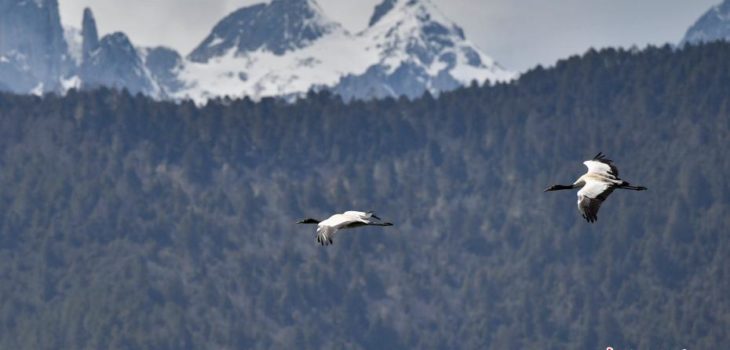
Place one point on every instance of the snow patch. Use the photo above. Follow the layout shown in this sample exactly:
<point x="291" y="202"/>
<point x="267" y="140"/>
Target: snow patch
<point x="73" y="82"/>
<point x="216" y="41"/>
<point x="37" y="90"/>
<point x="324" y="62"/>
<point x="74" y="41"/>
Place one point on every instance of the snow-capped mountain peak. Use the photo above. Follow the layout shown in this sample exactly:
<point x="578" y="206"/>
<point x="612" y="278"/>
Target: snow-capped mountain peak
<point x="277" y="27"/>
<point x="399" y="11"/>
<point x="416" y="30"/>
<point x="288" y="47"/>
<point x="414" y="39"/>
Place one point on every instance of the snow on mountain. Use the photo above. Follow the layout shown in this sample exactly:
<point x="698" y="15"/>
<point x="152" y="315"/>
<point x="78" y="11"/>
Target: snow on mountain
<point x="263" y="73"/>
<point x="278" y="48"/>
<point x="416" y="31"/>
<point x="713" y="25"/>
<point x="277" y="27"/>
<point x="74" y="41"/>
<point x="281" y="48"/>
<point x="418" y="49"/>
<point x="287" y="47"/>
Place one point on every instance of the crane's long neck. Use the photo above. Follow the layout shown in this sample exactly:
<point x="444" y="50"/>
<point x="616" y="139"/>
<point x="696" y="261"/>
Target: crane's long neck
<point x="627" y="186"/>
<point x="380" y="224"/>
<point x="561" y="187"/>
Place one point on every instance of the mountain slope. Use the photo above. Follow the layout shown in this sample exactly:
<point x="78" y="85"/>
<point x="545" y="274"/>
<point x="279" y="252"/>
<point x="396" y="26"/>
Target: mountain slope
<point x="711" y="26"/>
<point x="128" y="223"/>
<point x="116" y="63"/>
<point x="164" y="65"/>
<point x="112" y="61"/>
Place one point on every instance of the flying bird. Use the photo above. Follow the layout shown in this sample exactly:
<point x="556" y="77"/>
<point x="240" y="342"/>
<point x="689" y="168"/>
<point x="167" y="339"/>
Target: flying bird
<point x="596" y="185"/>
<point x="350" y="219"/>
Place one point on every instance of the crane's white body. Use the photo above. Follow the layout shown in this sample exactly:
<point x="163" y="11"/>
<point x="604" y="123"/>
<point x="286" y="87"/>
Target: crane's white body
<point x="596" y="185"/>
<point x="327" y="228"/>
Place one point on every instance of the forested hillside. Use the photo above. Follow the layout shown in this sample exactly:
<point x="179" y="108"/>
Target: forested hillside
<point x="127" y="223"/>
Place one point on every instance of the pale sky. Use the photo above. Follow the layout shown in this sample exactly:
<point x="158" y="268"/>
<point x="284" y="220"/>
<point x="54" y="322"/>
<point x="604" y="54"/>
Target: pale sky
<point x="519" y="34"/>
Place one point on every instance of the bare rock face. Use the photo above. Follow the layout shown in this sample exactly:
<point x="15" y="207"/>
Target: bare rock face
<point x="714" y="25"/>
<point x="89" y="36"/>
<point x="278" y="27"/>
<point x="116" y="63"/>
<point x="33" y="52"/>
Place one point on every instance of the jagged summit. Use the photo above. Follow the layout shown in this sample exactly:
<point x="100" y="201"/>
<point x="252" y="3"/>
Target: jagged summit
<point x="419" y="50"/>
<point x="417" y="28"/>
<point x="713" y="25"/>
<point x="89" y="35"/>
<point x="117" y="63"/>
<point x="277" y="27"/>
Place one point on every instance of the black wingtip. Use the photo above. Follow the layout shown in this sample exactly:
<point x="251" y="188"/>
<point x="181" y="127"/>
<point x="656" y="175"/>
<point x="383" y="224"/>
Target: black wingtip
<point x="590" y="219"/>
<point x="599" y="155"/>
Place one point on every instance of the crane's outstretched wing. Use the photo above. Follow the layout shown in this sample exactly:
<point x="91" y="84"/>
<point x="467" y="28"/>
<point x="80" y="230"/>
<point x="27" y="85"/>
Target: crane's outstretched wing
<point x="360" y="215"/>
<point x="590" y="198"/>
<point x="325" y="234"/>
<point x="360" y="218"/>
<point x="600" y="165"/>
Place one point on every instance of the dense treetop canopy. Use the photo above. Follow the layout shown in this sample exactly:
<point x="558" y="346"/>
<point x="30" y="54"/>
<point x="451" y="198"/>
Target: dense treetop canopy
<point x="128" y="223"/>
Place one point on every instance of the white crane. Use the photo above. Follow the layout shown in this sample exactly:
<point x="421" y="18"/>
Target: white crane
<point x="350" y="219"/>
<point x="595" y="186"/>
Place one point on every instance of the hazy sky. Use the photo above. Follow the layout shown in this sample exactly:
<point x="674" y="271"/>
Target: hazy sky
<point x="519" y="34"/>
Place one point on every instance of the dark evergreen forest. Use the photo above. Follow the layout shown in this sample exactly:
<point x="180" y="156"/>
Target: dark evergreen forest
<point x="129" y="223"/>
